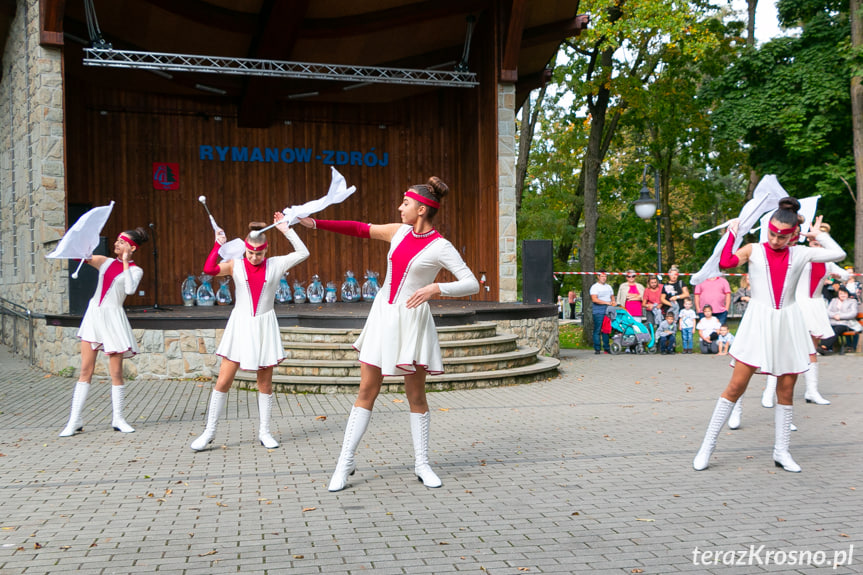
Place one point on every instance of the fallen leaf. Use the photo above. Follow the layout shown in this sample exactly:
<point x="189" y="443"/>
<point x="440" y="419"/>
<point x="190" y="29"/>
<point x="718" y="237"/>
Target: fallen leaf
<point x="443" y="409"/>
<point x="93" y="545"/>
<point x="298" y="556"/>
<point x="308" y="509"/>
<point x="398" y="401"/>
<point x="220" y="504"/>
<point x="648" y="520"/>
<point x="213" y="552"/>
<point x="443" y="542"/>
<point x="321" y="417"/>
<point x="575" y="513"/>
<point x="19" y="549"/>
<point x="524" y="568"/>
<point x="64" y="547"/>
<point x="779" y="519"/>
<point x="637" y="570"/>
<point x="37" y="546"/>
<point x="844" y="535"/>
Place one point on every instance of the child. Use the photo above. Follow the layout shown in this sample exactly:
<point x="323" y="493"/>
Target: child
<point x="707" y="328"/>
<point x="725" y="339"/>
<point x="687" y="324"/>
<point x="666" y="331"/>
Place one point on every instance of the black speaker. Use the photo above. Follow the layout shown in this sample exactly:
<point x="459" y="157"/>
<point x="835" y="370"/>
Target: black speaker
<point x="537" y="271"/>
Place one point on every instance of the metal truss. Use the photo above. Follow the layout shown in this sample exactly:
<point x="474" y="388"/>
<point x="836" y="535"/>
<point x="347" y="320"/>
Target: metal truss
<point x="110" y="58"/>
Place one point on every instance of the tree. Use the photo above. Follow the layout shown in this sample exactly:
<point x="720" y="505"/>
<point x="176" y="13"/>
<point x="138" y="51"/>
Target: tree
<point x="789" y="102"/>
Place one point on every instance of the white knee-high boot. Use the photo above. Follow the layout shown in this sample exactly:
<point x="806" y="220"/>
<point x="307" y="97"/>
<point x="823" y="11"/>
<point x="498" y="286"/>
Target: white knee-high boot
<point x="79" y="396"/>
<point x="781" y="456"/>
<point x="420" y="424"/>
<point x="217" y="404"/>
<point x="736" y="413"/>
<point x="717" y="420"/>
<point x="767" y="398"/>
<point x="265" y="408"/>
<point x="358" y="422"/>
<point x="118" y="422"/>
<point x="812" y="395"/>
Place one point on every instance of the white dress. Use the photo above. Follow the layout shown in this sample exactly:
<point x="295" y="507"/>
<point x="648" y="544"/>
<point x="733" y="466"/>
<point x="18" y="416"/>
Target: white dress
<point x="105" y="325"/>
<point x="773" y="336"/>
<point x="252" y="336"/>
<point x="395" y="338"/>
<point x="812" y="305"/>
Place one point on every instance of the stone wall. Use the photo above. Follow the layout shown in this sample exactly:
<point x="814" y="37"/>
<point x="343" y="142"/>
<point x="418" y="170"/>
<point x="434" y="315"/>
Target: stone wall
<point x="32" y="182"/>
<point x="541" y="332"/>
<point x="507" y="227"/>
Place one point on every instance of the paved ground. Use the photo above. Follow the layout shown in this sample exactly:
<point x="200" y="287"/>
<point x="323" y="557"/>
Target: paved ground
<point x="587" y="473"/>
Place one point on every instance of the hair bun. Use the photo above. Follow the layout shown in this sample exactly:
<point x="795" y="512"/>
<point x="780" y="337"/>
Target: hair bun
<point x="438" y="188"/>
<point x="255" y="226"/>
<point x="789" y="203"/>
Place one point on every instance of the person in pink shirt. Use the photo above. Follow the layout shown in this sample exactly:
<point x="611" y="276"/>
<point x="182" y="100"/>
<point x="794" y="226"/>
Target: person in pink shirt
<point x="653" y="299"/>
<point x="630" y="294"/>
<point x="716" y="293"/>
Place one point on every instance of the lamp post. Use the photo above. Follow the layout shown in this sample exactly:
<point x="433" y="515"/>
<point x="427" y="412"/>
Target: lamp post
<point x="646" y="207"/>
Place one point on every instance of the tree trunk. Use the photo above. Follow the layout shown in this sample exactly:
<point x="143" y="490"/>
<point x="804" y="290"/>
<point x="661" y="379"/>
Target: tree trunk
<point x="857" y="128"/>
<point x="528" y="126"/>
<point x="750" y="22"/>
<point x="598" y="110"/>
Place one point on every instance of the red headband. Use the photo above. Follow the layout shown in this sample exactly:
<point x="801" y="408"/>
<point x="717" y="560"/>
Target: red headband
<point x="128" y="240"/>
<point x="422" y="199"/>
<point x="785" y="232"/>
<point x="259" y="248"/>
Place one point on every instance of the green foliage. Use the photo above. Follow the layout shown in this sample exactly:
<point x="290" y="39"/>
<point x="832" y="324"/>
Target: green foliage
<point x="789" y="103"/>
<point x="66" y="372"/>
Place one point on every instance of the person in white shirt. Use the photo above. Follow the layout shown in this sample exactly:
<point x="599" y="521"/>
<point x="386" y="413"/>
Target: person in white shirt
<point x="707" y="327"/>
<point x="602" y="296"/>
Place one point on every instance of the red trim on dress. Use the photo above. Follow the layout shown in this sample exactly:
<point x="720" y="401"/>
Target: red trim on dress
<point x="778" y="262"/>
<point x="404" y="254"/>
<point x="114" y="270"/>
<point x="816" y="276"/>
<point x="256" y="277"/>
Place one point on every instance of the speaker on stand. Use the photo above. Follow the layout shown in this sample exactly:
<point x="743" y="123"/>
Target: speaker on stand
<point x="537" y="271"/>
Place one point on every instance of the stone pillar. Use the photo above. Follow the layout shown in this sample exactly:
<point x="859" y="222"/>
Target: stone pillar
<point x="32" y="170"/>
<point x="507" y="154"/>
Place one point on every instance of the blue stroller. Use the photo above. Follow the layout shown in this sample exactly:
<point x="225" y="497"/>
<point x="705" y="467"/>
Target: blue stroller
<point x="627" y="333"/>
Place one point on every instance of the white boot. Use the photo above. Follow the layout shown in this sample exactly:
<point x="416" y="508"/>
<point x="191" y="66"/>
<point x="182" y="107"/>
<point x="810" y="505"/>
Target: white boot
<point x="736" y="412"/>
<point x="118" y="394"/>
<point x="358" y="422"/>
<point x="769" y="392"/>
<point x="420" y="423"/>
<point x="812" y="395"/>
<point x="217" y="403"/>
<point x="717" y="420"/>
<point x="781" y="455"/>
<point x="79" y="396"/>
<point x="265" y="408"/>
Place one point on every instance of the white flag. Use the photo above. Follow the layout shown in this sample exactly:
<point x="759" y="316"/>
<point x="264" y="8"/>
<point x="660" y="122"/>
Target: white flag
<point x="82" y="238"/>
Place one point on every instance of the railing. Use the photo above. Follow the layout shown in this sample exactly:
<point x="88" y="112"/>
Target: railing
<point x="16" y="312"/>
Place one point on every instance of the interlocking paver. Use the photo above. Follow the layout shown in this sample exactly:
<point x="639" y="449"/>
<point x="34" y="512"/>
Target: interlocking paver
<point x="586" y="473"/>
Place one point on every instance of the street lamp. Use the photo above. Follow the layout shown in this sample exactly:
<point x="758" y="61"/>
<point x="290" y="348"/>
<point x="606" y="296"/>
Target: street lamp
<point x="646" y="207"/>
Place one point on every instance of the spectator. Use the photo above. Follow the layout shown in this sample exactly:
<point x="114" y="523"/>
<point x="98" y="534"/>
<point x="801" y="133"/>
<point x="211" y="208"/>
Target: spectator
<point x="629" y="295"/>
<point x="602" y="296"/>
<point x="675" y="292"/>
<point x="742" y="296"/>
<point x="707" y="327"/>
<point x="724" y="341"/>
<point x="666" y="333"/>
<point x="852" y="285"/>
<point x="843" y="317"/>
<point x="571" y="298"/>
<point x="716" y="293"/>
<point x="687" y="325"/>
<point x="653" y="300"/>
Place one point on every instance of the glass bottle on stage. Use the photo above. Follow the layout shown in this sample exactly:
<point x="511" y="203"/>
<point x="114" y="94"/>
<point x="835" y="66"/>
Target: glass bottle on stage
<point x="350" y="288"/>
<point x="188" y="290"/>
<point x="205" y="296"/>
<point x="370" y="286"/>
<point x="299" y="292"/>
<point x="315" y="291"/>
<point x="223" y="296"/>
<point x="283" y="294"/>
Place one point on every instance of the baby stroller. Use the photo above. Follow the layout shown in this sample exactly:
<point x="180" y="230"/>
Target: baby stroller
<point x="629" y="334"/>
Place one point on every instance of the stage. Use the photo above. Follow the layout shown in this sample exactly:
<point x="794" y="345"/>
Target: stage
<point x="338" y="315"/>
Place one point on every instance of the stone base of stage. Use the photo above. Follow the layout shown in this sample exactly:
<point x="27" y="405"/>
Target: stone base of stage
<point x="180" y="342"/>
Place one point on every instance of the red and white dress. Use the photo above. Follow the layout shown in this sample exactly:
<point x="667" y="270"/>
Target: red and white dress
<point x="395" y="338"/>
<point x="105" y="325"/>
<point x="773" y="335"/>
<point x="810" y="300"/>
<point x="252" y="336"/>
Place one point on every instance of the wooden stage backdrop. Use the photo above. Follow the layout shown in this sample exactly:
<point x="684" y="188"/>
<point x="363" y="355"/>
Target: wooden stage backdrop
<point x="115" y="137"/>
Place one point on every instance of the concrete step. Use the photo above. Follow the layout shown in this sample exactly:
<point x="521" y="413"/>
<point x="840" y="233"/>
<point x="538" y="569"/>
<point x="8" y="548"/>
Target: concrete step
<point x="543" y="368"/>
<point x="292" y="335"/>
<point x="326" y="351"/>
<point x="351" y="368"/>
